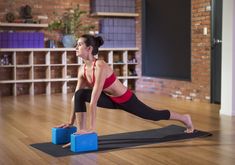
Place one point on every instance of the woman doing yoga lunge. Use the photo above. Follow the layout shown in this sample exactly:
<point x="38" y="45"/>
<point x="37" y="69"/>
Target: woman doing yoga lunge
<point x="99" y="87"/>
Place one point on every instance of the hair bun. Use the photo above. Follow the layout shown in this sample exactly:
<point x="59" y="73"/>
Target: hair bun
<point x="99" y="41"/>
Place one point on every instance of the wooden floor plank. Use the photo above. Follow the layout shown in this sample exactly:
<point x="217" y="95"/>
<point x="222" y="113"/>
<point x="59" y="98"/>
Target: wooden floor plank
<point x="25" y="120"/>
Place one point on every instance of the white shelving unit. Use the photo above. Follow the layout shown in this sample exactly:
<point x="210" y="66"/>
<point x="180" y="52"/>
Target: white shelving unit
<point x="46" y="70"/>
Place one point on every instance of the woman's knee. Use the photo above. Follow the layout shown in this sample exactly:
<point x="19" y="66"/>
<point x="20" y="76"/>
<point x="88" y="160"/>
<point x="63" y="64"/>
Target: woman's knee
<point x="82" y="94"/>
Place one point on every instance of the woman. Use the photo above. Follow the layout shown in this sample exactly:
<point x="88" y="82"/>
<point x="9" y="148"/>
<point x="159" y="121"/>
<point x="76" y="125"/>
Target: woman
<point x="106" y="91"/>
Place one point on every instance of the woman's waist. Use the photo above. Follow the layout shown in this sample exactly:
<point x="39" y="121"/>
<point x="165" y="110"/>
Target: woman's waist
<point x="124" y="97"/>
<point x="117" y="89"/>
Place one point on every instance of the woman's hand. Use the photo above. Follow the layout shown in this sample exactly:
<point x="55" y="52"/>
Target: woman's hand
<point x="64" y="125"/>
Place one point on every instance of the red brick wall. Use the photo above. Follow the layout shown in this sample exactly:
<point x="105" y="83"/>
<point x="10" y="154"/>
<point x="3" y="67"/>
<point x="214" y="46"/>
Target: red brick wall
<point x="199" y="88"/>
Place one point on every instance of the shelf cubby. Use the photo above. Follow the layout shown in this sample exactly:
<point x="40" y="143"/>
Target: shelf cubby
<point x="39" y="58"/>
<point x="118" y="57"/>
<point x="24" y="58"/>
<point x="40" y="72"/>
<point x="23" y="88"/>
<point x="55" y="57"/>
<point x="40" y="87"/>
<point x="56" y="72"/>
<point x="56" y="87"/>
<point x="23" y="73"/>
<point x="6" y="59"/>
<point x="131" y="57"/>
<point x="6" y="72"/>
<point x="6" y="89"/>
<point x="131" y="70"/>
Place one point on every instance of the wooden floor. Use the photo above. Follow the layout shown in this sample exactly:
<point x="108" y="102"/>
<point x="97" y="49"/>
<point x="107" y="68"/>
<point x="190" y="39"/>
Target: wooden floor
<point x="25" y="120"/>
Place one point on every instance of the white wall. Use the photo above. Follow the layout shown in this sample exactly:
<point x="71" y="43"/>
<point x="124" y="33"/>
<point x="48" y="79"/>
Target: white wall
<point x="233" y="70"/>
<point x="228" y="59"/>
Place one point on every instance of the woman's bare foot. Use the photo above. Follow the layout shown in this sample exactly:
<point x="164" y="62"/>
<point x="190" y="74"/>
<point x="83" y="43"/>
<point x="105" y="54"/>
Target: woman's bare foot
<point x="185" y="119"/>
<point x="188" y="122"/>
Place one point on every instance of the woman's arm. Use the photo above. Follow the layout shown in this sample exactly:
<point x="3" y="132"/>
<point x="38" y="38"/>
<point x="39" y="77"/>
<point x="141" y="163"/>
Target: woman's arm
<point x="80" y="84"/>
<point x="100" y="75"/>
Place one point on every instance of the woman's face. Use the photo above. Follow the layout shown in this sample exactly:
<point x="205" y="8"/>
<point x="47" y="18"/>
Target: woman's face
<point x="81" y="49"/>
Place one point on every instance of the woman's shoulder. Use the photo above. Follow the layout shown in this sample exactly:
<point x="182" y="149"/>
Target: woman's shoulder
<point x="101" y="64"/>
<point x="103" y="67"/>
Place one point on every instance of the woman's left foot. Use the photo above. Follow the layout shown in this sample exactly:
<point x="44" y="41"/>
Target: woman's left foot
<point x="188" y="123"/>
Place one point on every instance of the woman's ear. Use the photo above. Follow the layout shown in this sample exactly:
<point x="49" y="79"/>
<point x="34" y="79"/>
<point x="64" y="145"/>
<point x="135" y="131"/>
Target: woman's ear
<point x="90" y="49"/>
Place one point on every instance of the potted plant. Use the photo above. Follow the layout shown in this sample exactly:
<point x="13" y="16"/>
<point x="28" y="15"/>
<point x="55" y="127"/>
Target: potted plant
<point x="70" y="25"/>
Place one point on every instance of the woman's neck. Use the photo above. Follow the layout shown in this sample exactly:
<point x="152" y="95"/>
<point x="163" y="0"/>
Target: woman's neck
<point x="89" y="61"/>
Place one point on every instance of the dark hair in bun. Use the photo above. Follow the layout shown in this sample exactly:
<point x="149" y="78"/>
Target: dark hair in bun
<point x="94" y="41"/>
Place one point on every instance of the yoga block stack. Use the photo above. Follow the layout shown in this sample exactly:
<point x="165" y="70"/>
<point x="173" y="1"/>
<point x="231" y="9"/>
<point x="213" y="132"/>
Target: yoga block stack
<point x="62" y="135"/>
<point x="84" y="142"/>
<point x="79" y="142"/>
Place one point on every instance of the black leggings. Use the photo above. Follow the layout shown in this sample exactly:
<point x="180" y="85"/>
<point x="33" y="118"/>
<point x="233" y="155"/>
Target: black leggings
<point x="133" y="105"/>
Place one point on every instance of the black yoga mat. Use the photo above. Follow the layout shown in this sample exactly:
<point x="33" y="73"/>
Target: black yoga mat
<point x="129" y="139"/>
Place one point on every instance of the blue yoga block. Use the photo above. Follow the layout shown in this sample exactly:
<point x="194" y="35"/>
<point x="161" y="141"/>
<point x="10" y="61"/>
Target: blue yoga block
<point x="84" y="142"/>
<point x="62" y="135"/>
